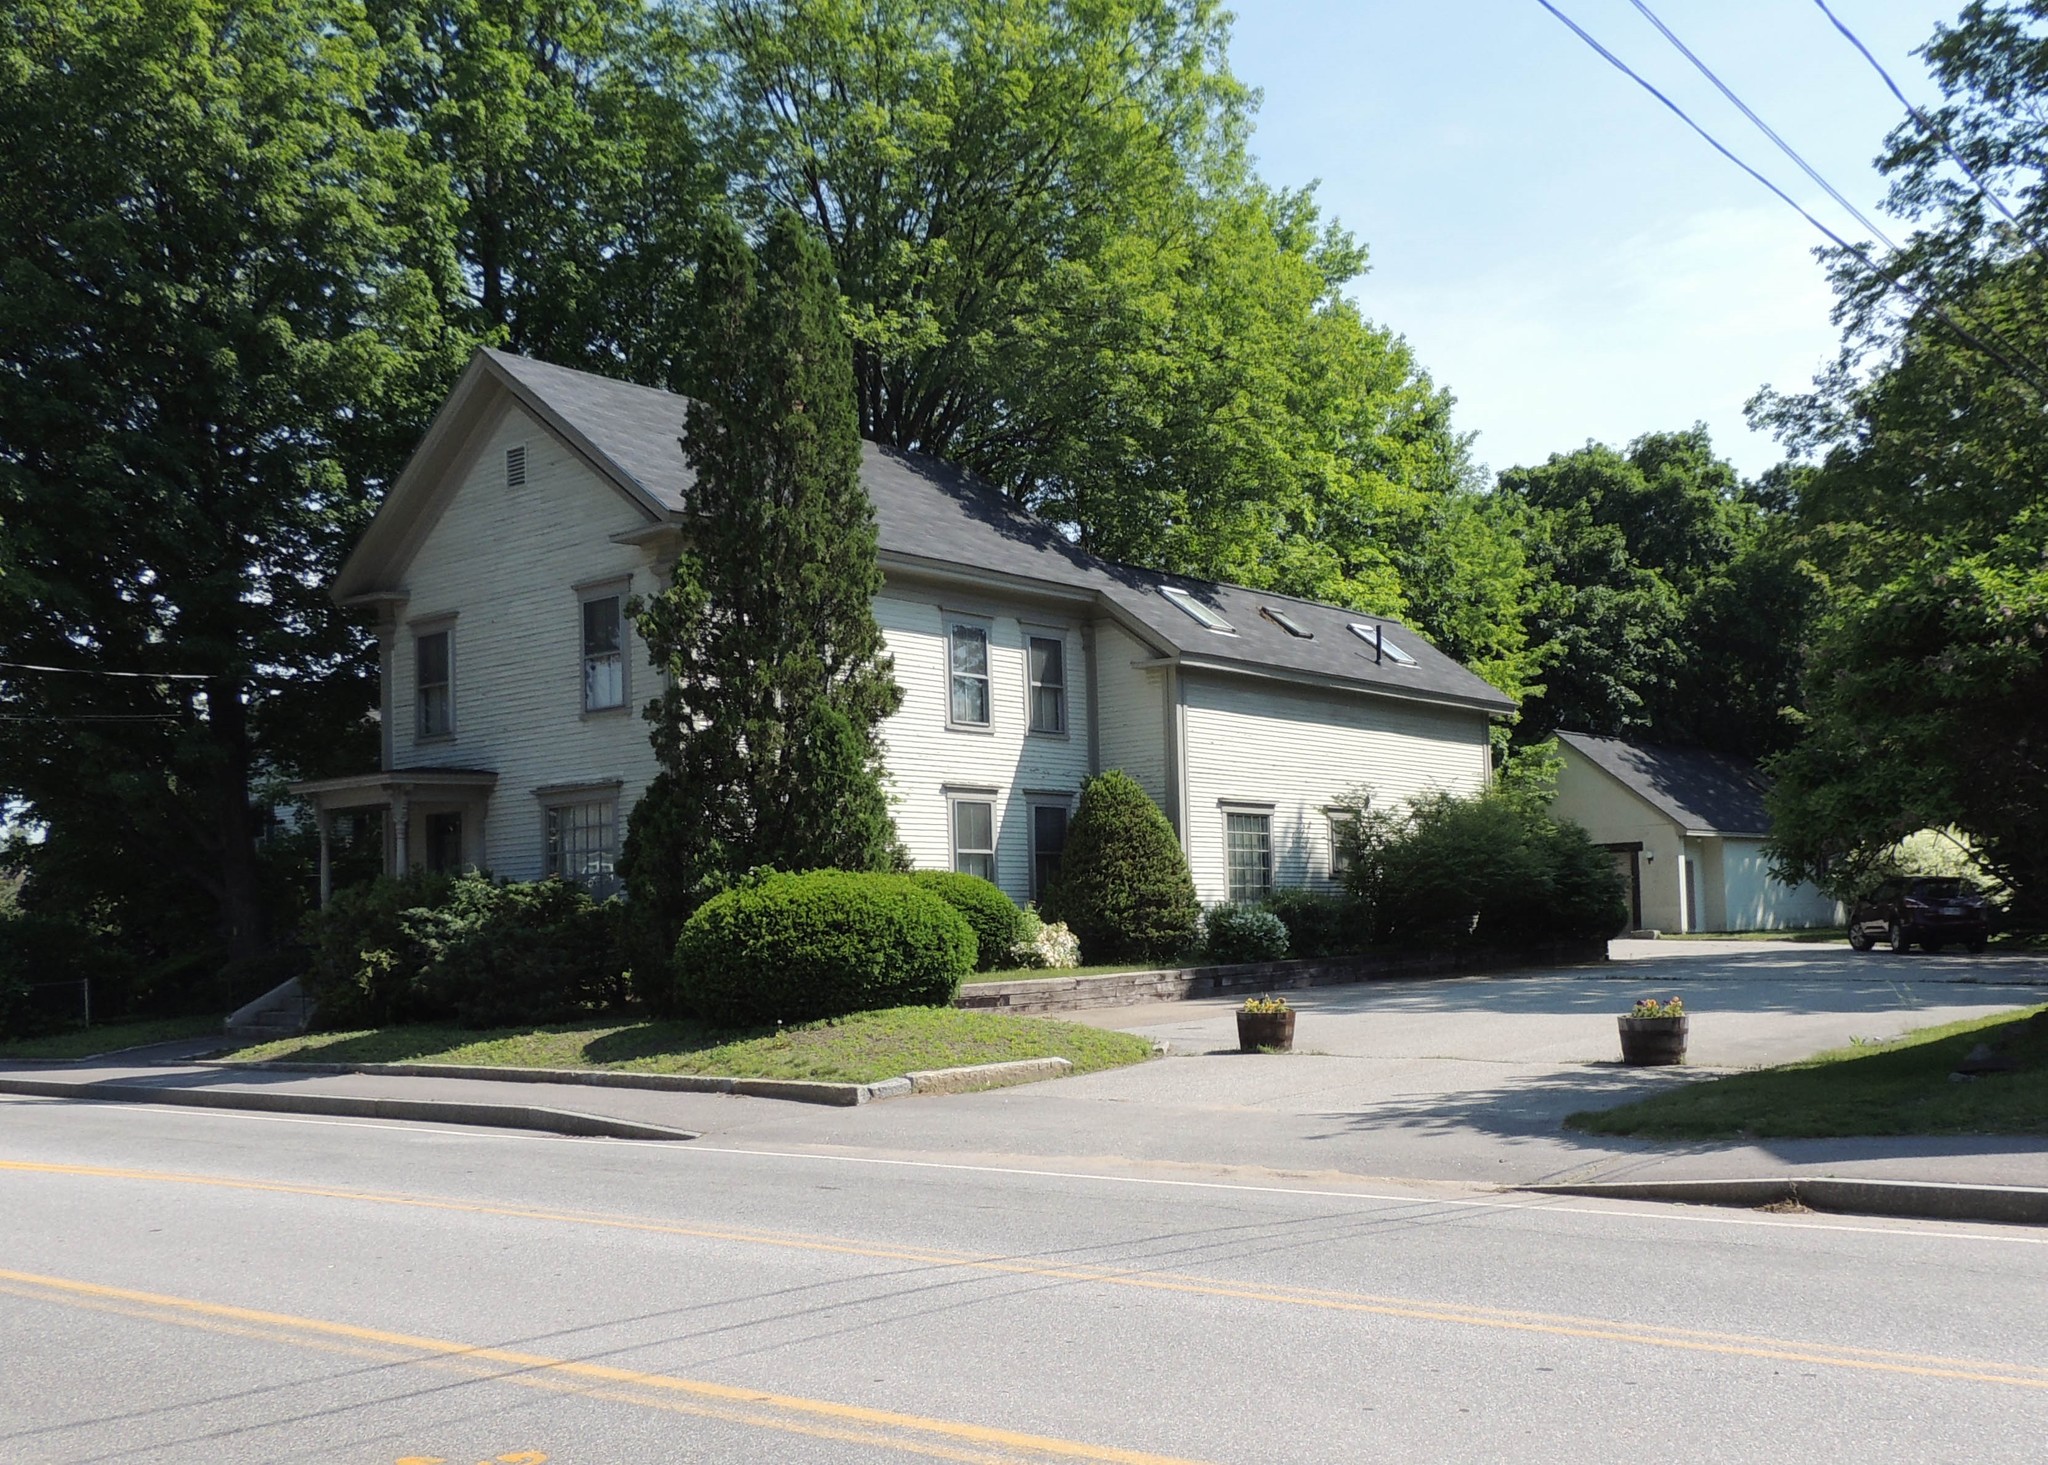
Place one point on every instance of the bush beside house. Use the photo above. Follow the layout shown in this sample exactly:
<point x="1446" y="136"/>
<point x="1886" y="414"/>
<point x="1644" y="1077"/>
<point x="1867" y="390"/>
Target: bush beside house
<point x="997" y="920"/>
<point x="790" y="948"/>
<point x="1123" y="884"/>
<point x="1240" y="933"/>
<point x="470" y="949"/>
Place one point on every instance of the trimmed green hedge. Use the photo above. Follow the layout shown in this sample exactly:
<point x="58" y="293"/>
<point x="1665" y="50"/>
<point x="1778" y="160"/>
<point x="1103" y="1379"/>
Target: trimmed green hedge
<point x="1240" y="933"/>
<point x="787" y="948"/>
<point x="1318" y="924"/>
<point x="997" y="921"/>
<point x="1123" y="884"/>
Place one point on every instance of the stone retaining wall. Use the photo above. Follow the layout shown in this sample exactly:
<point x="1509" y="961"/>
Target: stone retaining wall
<point x="1125" y="989"/>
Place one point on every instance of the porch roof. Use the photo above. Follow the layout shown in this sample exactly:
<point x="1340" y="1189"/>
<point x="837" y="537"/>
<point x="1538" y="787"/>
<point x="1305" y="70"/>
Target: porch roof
<point x="369" y="790"/>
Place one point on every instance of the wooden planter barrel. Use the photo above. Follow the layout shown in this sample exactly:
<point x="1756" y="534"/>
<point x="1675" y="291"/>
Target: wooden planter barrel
<point x="1647" y="1042"/>
<point x="1256" y="1030"/>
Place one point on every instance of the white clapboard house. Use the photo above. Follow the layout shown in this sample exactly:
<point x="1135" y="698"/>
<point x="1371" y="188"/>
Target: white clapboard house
<point x="500" y="566"/>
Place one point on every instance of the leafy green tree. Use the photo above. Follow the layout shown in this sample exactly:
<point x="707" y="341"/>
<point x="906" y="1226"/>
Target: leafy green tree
<point x="1666" y="604"/>
<point x="218" y="332"/>
<point x="1062" y="272"/>
<point x="561" y="132"/>
<point x="1922" y="509"/>
<point x="766" y="731"/>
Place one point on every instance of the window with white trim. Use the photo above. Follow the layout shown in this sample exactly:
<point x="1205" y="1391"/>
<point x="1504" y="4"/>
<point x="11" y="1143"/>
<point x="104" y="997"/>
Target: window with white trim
<point x="604" y="653"/>
<point x="434" y="676"/>
<point x="1046" y="664"/>
<point x="967" y="658"/>
<point x="583" y="844"/>
<point x="974" y="837"/>
<point x="1342" y="823"/>
<point x="1248" y="846"/>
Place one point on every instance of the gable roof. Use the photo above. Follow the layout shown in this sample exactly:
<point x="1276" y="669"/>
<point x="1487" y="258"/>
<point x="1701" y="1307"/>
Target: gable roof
<point x="933" y="516"/>
<point x="1707" y="793"/>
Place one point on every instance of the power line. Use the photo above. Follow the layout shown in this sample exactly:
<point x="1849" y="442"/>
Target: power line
<point x="1935" y="306"/>
<point x="88" y="717"/>
<point x="93" y="671"/>
<point x="1762" y="126"/>
<point x="1933" y="131"/>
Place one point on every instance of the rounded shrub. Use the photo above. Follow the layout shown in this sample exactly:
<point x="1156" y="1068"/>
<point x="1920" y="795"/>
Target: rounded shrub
<point x="1123" y="884"/>
<point x="998" y="923"/>
<point x="1235" y="933"/>
<point x="791" y="948"/>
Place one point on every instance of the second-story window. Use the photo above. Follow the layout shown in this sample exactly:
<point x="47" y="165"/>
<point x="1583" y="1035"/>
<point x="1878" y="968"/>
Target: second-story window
<point x="968" y="658"/>
<point x="435" y="674"/>
<point x="604" y="657"/>
<point x="1048" y="661"/>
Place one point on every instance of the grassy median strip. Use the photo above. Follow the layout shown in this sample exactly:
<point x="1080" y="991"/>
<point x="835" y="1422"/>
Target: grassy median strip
<point x="1876" y="1088"/>
<point x="864" y="1048"/>
<point x="111" y="1037"/>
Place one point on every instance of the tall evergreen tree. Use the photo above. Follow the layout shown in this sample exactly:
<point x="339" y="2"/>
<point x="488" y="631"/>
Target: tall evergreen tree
<point x="777" y="677"/>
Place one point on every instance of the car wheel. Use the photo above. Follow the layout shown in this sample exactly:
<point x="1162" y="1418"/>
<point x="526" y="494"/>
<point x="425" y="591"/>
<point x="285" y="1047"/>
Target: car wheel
<point x="1897" y="936"/>
<point x="1859" y="939"/>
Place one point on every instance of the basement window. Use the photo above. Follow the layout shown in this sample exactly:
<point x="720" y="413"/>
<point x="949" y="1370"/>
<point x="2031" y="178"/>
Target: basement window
<point x="1287" y="623"/>
<point x="1197" y="611"/>
<point x="1384" y="650"/>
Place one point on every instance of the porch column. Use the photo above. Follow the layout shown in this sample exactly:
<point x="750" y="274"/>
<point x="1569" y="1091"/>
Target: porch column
<point x="401" y="822"/>
<point x="325" y="822"/>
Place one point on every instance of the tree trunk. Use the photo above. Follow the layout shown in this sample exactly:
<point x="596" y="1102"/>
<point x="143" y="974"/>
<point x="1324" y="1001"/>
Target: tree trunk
<point x="241" y="899"/>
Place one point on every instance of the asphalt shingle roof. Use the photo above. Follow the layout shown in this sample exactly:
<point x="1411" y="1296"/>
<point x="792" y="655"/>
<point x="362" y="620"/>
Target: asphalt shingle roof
<point x="1699" y="789"/>
<point x="929" y="510"/>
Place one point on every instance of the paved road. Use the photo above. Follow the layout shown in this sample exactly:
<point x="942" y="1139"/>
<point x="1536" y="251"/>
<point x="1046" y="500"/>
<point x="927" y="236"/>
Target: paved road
<point x="214" y="1287"/>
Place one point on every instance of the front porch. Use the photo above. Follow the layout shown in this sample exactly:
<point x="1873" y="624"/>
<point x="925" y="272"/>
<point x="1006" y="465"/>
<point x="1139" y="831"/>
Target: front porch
<point x="449" y="803"/>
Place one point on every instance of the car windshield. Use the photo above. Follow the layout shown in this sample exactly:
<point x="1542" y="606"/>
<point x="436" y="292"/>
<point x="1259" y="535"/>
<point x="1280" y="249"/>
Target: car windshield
<point x="1941" y="889"/>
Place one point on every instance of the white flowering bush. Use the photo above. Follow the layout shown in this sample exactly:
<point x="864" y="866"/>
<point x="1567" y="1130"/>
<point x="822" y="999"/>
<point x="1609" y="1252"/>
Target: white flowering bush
<point x="1048" y="945"/>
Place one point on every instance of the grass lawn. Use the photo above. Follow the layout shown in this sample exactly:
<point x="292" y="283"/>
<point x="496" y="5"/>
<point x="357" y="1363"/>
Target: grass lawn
<point x="1900" y="1087"/>
<point x="864" y="1048"/>
<point x="1027" y="973"/>
<point x="108" y="1037"/>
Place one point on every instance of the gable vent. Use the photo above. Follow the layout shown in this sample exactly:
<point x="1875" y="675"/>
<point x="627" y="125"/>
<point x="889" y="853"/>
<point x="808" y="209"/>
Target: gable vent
<point x="515" y="466"/>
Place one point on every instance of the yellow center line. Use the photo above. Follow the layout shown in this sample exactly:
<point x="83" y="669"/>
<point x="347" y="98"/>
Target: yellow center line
<point x="1652" y="1335"/>
<point x="853" y="1423"/>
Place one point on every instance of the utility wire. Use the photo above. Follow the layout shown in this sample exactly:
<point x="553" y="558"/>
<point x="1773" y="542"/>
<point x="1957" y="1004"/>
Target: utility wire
<point x="1860" y="255"/>
<point x="93" y="671"/>
<point x="88" y="717"/>
<point x="1764" y="127"/>
<point x="1933" y="131"/>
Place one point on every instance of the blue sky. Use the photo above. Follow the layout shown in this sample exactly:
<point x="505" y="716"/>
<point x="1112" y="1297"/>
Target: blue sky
<point x="1562" y="253"/>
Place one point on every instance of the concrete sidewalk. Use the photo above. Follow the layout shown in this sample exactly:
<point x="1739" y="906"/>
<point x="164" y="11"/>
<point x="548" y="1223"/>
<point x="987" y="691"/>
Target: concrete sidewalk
<point x="1463" y="1080"/>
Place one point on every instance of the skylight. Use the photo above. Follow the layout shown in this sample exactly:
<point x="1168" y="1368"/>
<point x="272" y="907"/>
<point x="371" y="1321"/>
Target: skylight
<point x="1196" y="610"/>
<point x="1376" y="637"/>
<point x="1287" y="623"/>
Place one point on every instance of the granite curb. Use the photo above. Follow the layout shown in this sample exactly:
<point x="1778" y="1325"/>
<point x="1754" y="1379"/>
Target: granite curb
<point x="970" y="1079"/>
<point x="351" y="1106"/>
<point x="1923" y="1200"/>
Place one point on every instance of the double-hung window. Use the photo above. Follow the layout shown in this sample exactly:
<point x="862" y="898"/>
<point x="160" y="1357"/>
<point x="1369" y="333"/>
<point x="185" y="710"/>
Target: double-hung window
<point x="1248" y="843"/>
<point x="434" y="674"/>
<point x="974" y="837"/>
<point x="967" y="658"/>
<point x="1343" y="824"/>
<point x="1046" y="658"/>
<point x="604" y="653"/>
<point x="583" y="844"/>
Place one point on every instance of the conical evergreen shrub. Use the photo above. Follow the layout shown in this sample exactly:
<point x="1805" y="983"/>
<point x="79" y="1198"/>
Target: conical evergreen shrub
<point x="1123" y="884"/>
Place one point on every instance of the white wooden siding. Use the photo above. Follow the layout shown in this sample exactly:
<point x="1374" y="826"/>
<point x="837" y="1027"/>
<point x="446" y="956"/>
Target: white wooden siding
<point x="925" y="757"/>
<point x="1130" y="714"/>
<point x="1254" y="741"/>
<point x="503" y="561"/>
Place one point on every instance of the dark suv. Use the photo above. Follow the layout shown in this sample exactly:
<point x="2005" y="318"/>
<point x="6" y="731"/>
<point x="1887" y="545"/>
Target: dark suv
<point x="1928" y="911"/>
